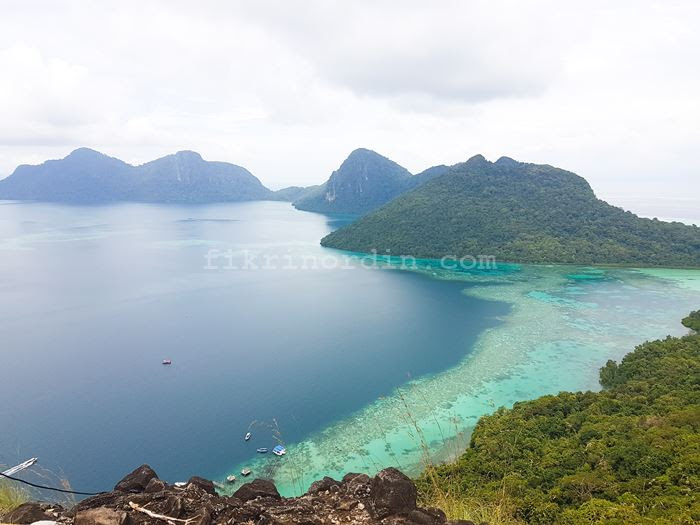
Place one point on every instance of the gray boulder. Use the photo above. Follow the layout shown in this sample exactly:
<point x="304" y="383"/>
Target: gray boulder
<point x="136" y="481"/>
<point x="393" y="492"/>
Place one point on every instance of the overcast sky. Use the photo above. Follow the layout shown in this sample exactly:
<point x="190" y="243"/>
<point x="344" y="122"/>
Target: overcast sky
<point x="610" y="90"/>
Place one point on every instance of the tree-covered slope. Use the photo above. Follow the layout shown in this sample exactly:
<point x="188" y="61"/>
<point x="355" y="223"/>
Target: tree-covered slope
<point x="83" y="176"/>
<point x="292" y="193"/>
<point x="186" y="177"/>
<point x="627" y="455"/>
<point x="363" y="182"/>
<point x="87" y="176"/>
<point x="693" y="321"/>
<point x="424" y="176"/>
<point x="517" y="212"/>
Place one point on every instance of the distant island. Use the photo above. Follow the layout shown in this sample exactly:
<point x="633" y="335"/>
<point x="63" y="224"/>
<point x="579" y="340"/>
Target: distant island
<point x="364" y="181"/>
<point x="513" y="211"/>
<point x="516" y="212"/>
<point x="88" y="176"/>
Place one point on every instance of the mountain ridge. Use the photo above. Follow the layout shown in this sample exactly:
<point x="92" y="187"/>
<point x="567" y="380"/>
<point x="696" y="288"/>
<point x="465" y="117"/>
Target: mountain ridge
<point x="364" y="181"/>
<point x="89" y="176"/>
<point x="517" y="212"/>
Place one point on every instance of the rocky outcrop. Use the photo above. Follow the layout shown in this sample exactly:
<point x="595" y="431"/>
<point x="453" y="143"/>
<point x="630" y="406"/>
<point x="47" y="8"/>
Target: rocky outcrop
<point x="136" y="481"/>
<point x="141" y="498"/>
<point x="322" y="485"/>
<point x="32" y="512"/>
<point x="392" y="492"/>
<point x="259" y="488"/>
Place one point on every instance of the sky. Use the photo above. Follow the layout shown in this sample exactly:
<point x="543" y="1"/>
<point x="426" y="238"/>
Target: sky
<point x="609" y="90"/>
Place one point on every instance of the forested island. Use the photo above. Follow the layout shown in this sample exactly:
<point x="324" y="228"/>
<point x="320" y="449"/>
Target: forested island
<point x="517" y="212"/>
<point x="86" y="176"/>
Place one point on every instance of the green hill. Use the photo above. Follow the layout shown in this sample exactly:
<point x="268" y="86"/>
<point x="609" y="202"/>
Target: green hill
<point x="292" y="193"/>
<point x="517" y="212"/>
<point x="627" y="455"/>
<point x="363" y="182"/>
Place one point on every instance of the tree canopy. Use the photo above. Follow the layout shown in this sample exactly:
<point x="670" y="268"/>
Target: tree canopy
<point x="693" y="321"/>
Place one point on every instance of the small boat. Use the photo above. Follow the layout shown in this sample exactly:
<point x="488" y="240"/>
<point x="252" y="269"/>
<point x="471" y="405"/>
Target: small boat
<point x="231" y="478"/>
<point x="262" y="450"/>
<point x="167" y="361"/>
<point x="245" y="472"/>
<point x="279" y="450"/>
<point x="247" y="436"/>
<point x="180" y="484"/>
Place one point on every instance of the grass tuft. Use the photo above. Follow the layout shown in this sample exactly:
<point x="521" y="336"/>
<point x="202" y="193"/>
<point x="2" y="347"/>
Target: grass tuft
<point x="10" y="497"/>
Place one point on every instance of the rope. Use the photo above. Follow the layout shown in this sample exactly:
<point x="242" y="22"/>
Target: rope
<point x="51" y="488"/>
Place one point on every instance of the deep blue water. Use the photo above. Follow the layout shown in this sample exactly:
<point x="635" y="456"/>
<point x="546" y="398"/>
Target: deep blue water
<point x="93" y="298"/>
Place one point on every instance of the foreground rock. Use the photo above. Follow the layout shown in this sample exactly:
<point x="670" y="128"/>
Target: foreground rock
<point x="141" y="498"/>
<point x="31" y="512"/>
<point x="136" y="481"/>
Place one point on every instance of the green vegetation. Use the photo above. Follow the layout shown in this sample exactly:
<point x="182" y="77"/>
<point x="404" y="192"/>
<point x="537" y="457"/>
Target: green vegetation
<point x="292" y="193"/>
<point x="10" y="496"/>
<point x="520" y="213"/>
<point x="693" y="321"/>
<point x="363" y="182"/>
<point x="627" y="455"/>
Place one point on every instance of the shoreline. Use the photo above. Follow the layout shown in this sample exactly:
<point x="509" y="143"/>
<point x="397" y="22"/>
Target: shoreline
<point x="552" y="327"/>
<point x="432" y="262"/>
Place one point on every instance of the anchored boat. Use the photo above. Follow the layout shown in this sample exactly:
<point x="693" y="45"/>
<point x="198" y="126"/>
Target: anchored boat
<point x="279" y="450"/>
<point x="262" y="450"/>
<point x="245" y="472"/>
<point x="231" y="478"/>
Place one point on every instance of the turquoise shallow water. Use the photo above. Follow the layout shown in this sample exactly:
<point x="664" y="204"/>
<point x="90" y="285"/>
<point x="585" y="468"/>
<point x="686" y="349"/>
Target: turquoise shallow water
<point x="565" y="323"/>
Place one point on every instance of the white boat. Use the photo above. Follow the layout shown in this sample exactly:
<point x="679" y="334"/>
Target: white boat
<point x="247" y="436"/>
<point x="245" y="472"/>
<point x="231" y="478"/>
<point x="180" y="484"/>
<point x="279" y="450"/>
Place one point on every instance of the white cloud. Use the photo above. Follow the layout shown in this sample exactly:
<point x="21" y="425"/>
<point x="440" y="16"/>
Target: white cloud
<point x="287" y="89"/>
<point x="454" y="50"/>
<point x="39" y="96"/>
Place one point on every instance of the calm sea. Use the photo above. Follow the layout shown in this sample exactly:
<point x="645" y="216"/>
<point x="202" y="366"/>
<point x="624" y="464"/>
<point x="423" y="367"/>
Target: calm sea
<point x="93" y="298"/>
